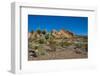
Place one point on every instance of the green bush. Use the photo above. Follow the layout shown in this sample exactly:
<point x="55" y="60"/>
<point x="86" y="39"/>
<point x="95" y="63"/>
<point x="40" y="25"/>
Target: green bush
<point x="65" y="44"/>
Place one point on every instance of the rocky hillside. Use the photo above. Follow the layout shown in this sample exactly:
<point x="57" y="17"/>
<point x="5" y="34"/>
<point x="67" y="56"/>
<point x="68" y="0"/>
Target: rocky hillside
<point x="57" y="34"/>
<point x="56" y="44"/>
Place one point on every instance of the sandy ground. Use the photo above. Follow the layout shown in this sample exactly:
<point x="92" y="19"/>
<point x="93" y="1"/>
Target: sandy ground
<point x="67" y="54"/>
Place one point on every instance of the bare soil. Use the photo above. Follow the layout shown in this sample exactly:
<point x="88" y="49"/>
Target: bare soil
<point x="65" y="54"/>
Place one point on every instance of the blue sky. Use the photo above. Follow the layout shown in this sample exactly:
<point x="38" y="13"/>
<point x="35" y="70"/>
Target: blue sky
<point x="77" y="25"/>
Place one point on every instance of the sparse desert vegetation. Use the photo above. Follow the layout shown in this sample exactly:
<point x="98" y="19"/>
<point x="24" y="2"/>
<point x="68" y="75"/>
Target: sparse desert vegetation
<point x="63" y="44"/>
<point x="57" y="37"/>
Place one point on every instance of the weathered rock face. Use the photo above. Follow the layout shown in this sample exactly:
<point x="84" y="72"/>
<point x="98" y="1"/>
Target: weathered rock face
<point x="62" y="33"/>
<point x="67" y="34"/>
<point x="33" y="35"/>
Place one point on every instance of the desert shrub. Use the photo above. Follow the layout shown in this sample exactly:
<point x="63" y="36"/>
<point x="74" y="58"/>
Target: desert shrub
<point x="35" y="47"/>
<point x="32" y="45"/>
<point x="39" y="31"/>
<point x="67" y="44"/>
<point x="44" y="32"/>
<point x="41" y="41"/>
<point x="41" y="51"/>
<point x="78" y="45"/>
<point x="47" y="36"/>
